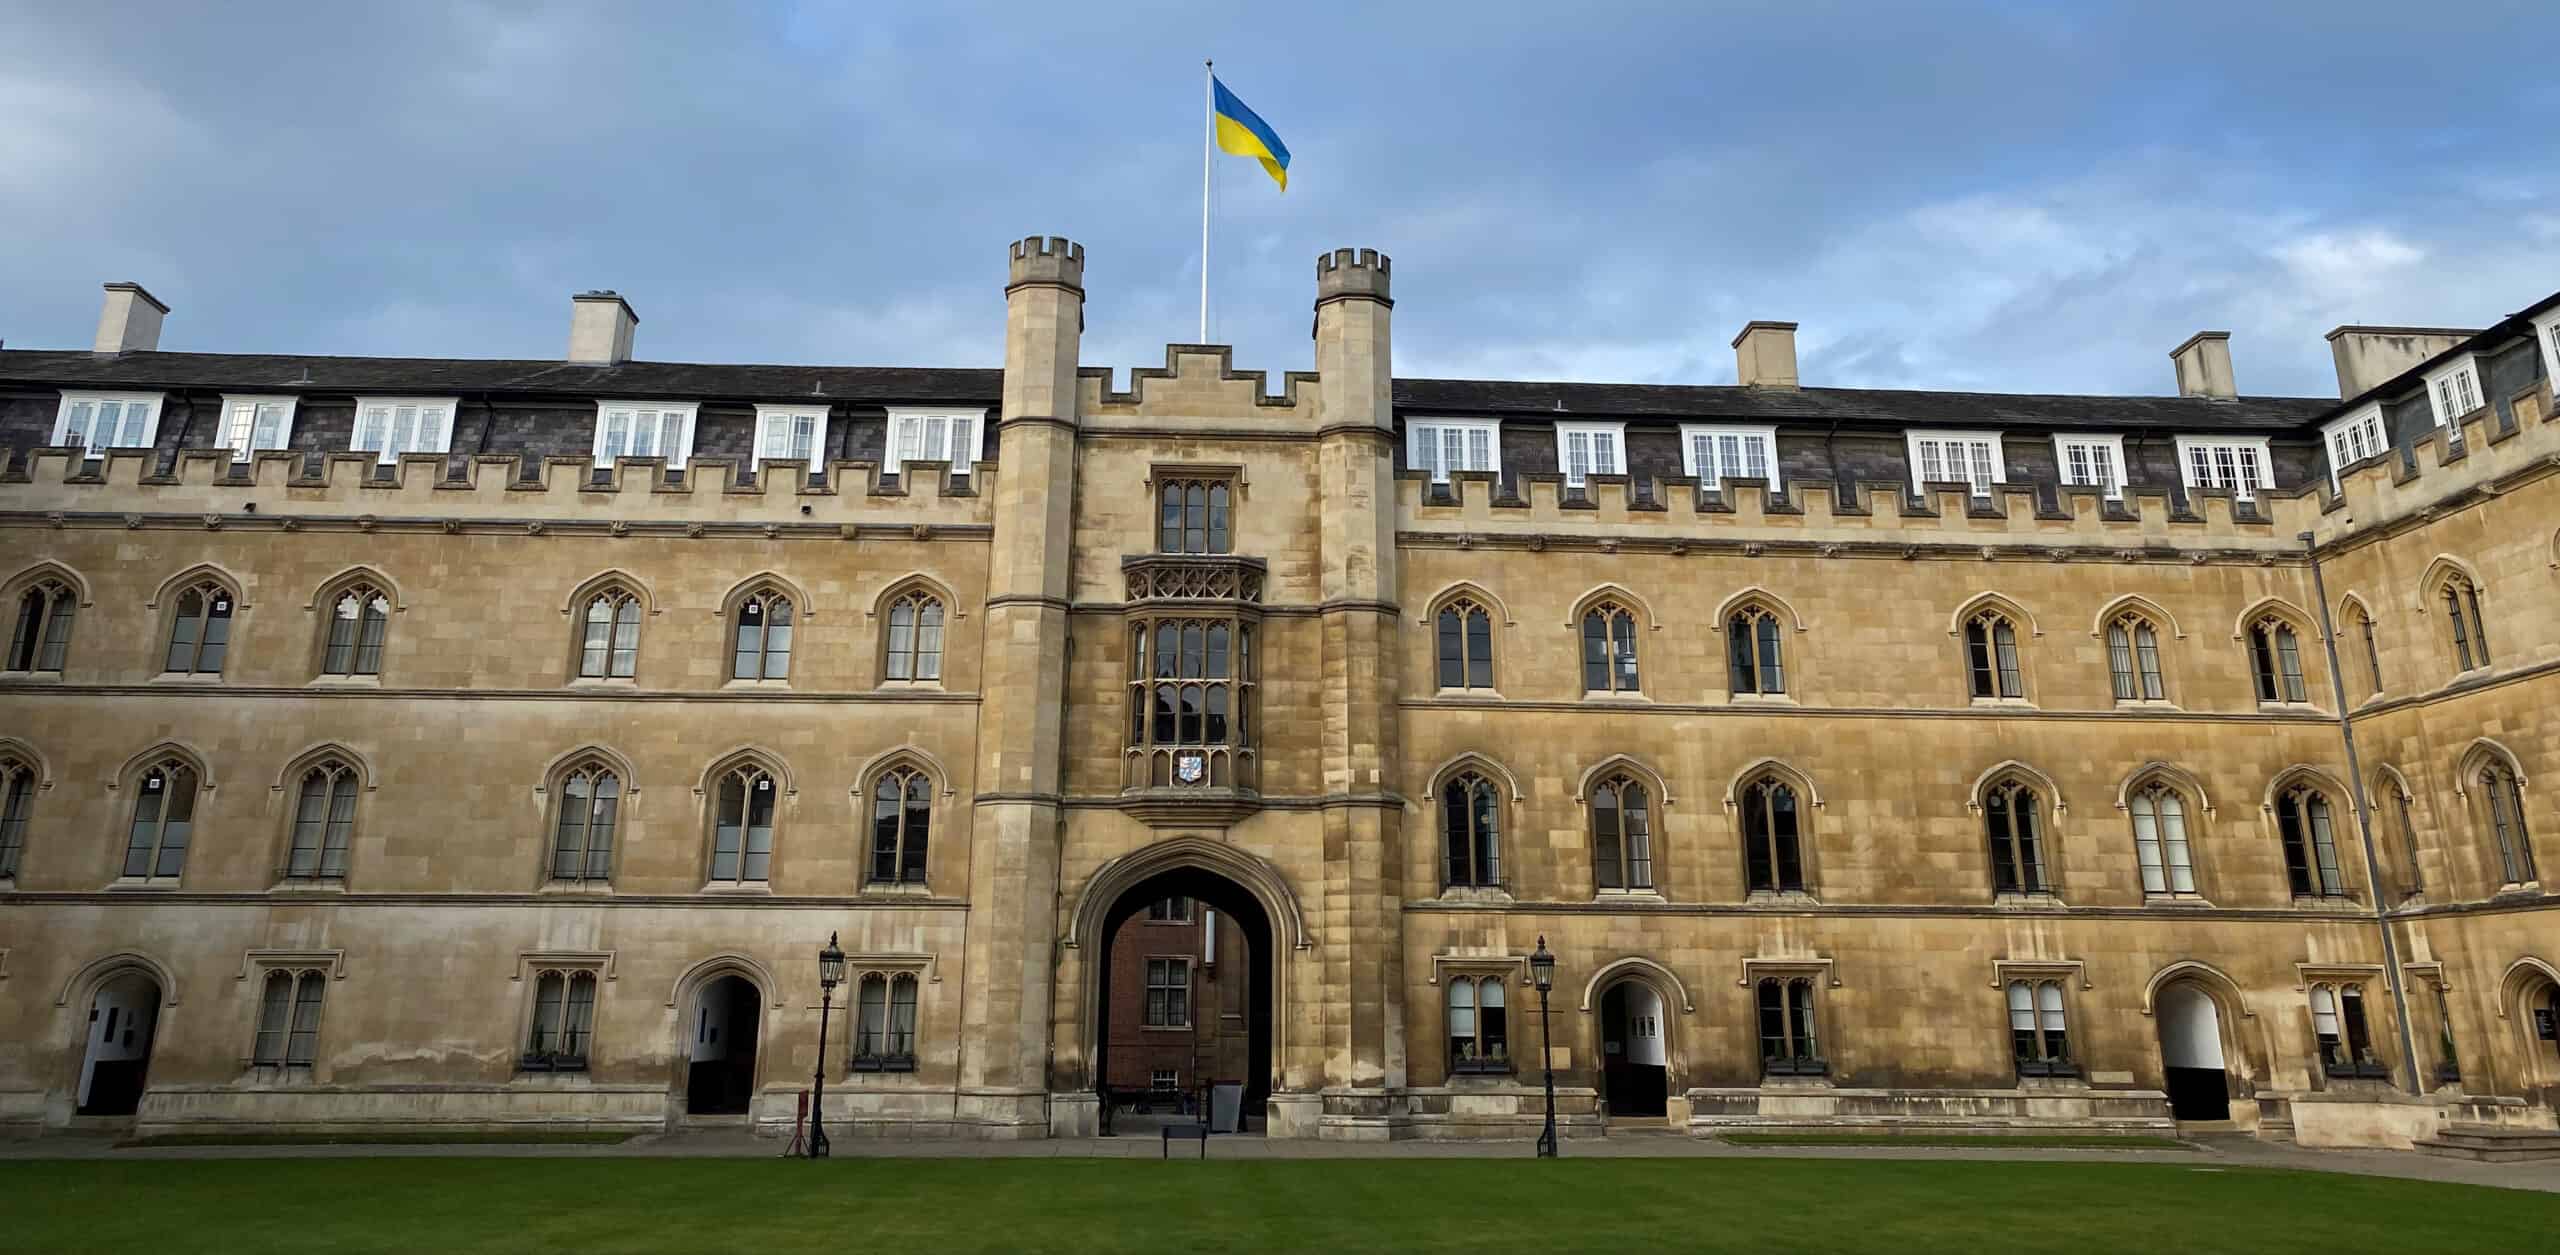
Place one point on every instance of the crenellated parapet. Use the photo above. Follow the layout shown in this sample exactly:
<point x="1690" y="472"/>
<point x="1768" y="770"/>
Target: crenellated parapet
<point x="1613" y="509"/>
<point x="2442" y="472"/>
<point x="1198" y="384"/>
<point x="491" y="486"/>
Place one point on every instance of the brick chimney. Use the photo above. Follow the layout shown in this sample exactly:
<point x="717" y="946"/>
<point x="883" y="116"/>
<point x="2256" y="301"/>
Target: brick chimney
<point x="1764" y="355"/>
<point x="130" y="320"/>
<point x="601" y="325"/>
<point x="2204" y="366"/>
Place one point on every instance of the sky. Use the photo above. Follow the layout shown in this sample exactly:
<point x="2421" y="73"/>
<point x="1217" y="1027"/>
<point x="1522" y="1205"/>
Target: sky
<point x="2015" y="197"/>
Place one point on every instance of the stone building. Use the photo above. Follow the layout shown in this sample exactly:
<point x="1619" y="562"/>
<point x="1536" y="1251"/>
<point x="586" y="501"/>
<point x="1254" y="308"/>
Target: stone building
<point x="1177" y="1022"/>
<point x="406" y="742"/>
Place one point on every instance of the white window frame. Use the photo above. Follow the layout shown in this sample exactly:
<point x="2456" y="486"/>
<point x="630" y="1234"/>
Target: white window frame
<point x="768" y="417"/>
<point x="2212" y="446"/>
<point x="901" y="421"/>
<point x="1594" y="437"/>
<point x="2353" y="439"/>
<point x="2546" y="333"/>
<point x="2110" y="447"/>
<point x="1426" y="437"/>
<point x="1714" y="471"/>
<point x="2454" y="384"/>
<point x="440" y="408"/>
<point x="1914" y="438"/>
<point x="612" y="441"/>
<point x="241" y="434"/>
<point x="90" y="445"/>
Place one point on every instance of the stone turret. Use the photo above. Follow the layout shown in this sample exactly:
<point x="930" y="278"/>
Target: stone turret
<point x="1013" y="846"/>
<point x="1354" y="371"/>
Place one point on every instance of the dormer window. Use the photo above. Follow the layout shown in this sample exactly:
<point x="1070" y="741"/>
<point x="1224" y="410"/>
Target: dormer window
<point x="1712" y="454"/>
<point x="2353" y="439"/>
<point x="99" y="421"/>
<point x="1443" y="445"/>
<point x="1972" y="458"/>
<point x="254" y="424"/>
<point x="644" y="429"/>
<point x="952" y="436"/>
<point x="388" y="427"/>
<point x="795" y="432"/>
<point x="2241" y="464"/>
<point x="2546" y="332"/>
<point x="1586" y="449"/>
<point x="2454" y="390"/>
<point x="2092" y="462"/>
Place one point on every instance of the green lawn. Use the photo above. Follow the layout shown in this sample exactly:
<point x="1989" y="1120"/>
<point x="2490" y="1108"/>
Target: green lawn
<point x="1340" y="1206"/>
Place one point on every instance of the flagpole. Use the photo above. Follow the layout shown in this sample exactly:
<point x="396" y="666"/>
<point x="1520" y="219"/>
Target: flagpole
<point x="1208" y="145"/>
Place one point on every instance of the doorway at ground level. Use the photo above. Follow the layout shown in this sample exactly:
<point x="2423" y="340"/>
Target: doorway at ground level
<point x="1634" y="1068"/>
<point x="2191" y="1053"/>
<point x="117" y="1064"/>
<point x="721" y="1078"/>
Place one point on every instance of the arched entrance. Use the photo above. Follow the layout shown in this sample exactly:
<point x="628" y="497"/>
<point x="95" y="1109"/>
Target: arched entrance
<point x="2542" y="1031"/>
<point x="720" y="1047"/>
<point x="1183" y="1003"/>
<point x="2191" y="1053"/>
<point x="1635" y="1066"/>
<point x="115" y="1065"/>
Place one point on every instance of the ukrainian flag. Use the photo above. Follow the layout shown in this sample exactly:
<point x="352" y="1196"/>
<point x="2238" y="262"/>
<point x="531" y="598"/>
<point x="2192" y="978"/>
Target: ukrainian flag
<point x="1243" y="132"/>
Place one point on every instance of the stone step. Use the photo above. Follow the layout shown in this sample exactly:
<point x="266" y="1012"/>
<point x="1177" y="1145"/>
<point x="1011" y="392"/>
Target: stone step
<point x="2489" y="1144"/>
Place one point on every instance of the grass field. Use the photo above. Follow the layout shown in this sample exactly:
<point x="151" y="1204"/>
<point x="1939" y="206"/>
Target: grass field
<point x="1477" y="1206"/>
<point x="2094" y="1141"/>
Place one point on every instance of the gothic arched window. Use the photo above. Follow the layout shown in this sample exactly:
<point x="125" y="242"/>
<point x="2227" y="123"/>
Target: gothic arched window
<point x="2506" y="821"/>
<point x="914" y="642"/>
<point x="2309" y="832"/>
<point x="164" y="813"/>
<point x="1471" y="832"/>
<point x="2133" y="659"/>
<point x="742" y="826"/>
<point x="1465" y="633"/>
<point x="200" y="630"/>
<point x="1609" y="649"/>
<point x="609" y="636"/>
<point x="2013" y="816"/>
<point x="582" y="832"/>
<point x="901" y="826"/>
<point x="1752" y="645"/>
<point x="324" y="820"/>
<point x="1772" y="837"/>
<point x="1621" y="835"/>
<point x="359" y="617"/>
<point x="2160" y="841"/>
<point x="43" y="629"/>
<point x="2275" y="658"/>
<point x="1991" y="656"/>
<point x="760" y="639"/>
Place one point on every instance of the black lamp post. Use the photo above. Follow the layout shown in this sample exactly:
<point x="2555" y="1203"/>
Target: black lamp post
<point x="830" y="975"/>
<point x="1542" y="972"/>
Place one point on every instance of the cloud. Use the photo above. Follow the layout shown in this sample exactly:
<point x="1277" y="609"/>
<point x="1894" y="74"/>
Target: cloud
<point x="2005" y="197"/>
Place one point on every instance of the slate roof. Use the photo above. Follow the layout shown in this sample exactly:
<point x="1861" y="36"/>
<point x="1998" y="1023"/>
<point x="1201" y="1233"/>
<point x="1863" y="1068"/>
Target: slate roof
<point x="247" y="372"/>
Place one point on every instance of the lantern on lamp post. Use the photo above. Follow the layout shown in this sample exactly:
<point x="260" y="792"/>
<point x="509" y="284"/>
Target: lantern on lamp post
<point x="830" y="975"/>
<point x="1542" y="973"/>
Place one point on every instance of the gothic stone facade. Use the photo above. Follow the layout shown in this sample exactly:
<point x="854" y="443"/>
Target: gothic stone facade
<point x="528" y="766"/>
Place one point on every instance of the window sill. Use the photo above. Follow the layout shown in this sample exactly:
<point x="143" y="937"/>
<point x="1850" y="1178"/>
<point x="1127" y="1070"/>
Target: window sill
<point x="2002" y="703"/>
<point x="530" y="1067"/>
<point x="347" y="681"/>
<point x="2356" y="1072"/>
<point x="736" y="889"/>
<point x="746" y="685"/>
<point x="882" y="1065"/>
<point x="1488" y="895"/>
<point x="2179" y="901"/>
<point x="1165" y="1028"/>
<point x="898" y="889"/>
<point x="1816" y="1072"/>
<point x="1781" y="898"/>
<point x="604" y="682"/>
<point x="910" y="686"/>
<point x="597" y="887"/>
<point x="2288" y="708"/>
<point x="1627" y="895"/>
<point x="1468" y="694"/>
<point x="1762" y="699"/>
<point x="1628" y="696"/>
<point x="2045" y="901"/>
<point x="143" y="884"/>
<point x="1478" y="1068"/>
<point x="2145" y="703"/>
<point x="2339" y="903"/>
<point x="31" y="677"/>
<point x="187" y="677"/>
<point x="2520" y="888"/>
<point x="314" y="886"/>
<point x="2046" y="1074"/>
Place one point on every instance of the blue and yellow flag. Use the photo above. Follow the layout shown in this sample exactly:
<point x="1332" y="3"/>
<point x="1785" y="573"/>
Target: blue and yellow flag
<point x="1243" y="132"/>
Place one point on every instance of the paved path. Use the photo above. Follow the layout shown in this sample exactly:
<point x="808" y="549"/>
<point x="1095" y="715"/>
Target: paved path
<point x="2212" y="1154"/>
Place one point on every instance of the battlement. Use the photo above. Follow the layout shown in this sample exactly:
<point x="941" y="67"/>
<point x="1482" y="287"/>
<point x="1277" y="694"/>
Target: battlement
<point x="1345" y="273"/>
<point x="1051" y="259"/>
<point x="2443" y="470"/>
<point x="1615" y="508"/>
<point x="490" y="486"/>
<point x="1198" y="382"/>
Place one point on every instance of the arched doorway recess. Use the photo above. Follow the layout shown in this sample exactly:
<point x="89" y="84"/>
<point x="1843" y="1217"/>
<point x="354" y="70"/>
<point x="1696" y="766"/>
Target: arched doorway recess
<point x="1635" y="1062"/>
<point x="1171" y="1000"/>
<point x="115" y="1062"/>
<point x="722" y="1034"/>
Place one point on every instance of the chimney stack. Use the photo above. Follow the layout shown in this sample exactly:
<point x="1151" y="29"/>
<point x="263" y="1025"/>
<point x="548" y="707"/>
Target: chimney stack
<point x="2204" y="366"/>
<point x="601" y="325"/>
<point x="1764" y="355"/>
<point x="2367" y="356"/>
<point x="130" y="321"/>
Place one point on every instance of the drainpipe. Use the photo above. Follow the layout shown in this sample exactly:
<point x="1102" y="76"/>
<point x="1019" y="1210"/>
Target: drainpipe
<point x="2364" y="823"/>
